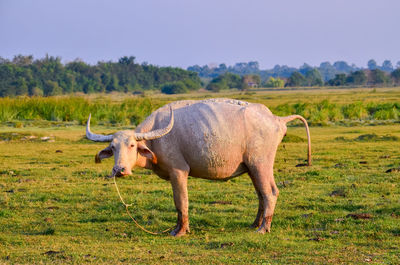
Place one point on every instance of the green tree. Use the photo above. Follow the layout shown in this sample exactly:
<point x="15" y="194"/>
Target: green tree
<point x="7" y="78"/>
<point x="22" y="60"/>
<point x="339" y="80"/>
<point x="327" y="71"/>
<point x="217" y="85"/>
<point x="357" y="78"/>
<point x="387" y="66"/>
<point x="232" y="80"/>
<point x="378" y="77"/>
<point x="296" y="79"/>
<point x="127" y="60"/>
<point x="21" y="87"/>
<point x="314" y="78"/>
<point x="191" y="84"/>
<point x="225" y="81"/>
<point x="51" y="88"/>
<point x="274" y="82"/>
<point x="112" y="84"/>
<point x="396" y="76"/>
<point x="372" y="65"/>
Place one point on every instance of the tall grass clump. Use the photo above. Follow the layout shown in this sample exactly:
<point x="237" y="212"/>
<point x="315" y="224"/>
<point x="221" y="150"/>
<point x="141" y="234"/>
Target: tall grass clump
<point x="384" y="111"/>
<point x="355" y="111"/>
<point x="7" y="110"/>
<point x="284" y="110"/>
<point x="130" y="111"/>
<point x="321" y="113"/>
<point x="316" y="113"/>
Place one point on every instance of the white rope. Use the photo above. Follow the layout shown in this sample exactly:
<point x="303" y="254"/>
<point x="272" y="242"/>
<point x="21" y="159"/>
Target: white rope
<point x="133" y="219"/>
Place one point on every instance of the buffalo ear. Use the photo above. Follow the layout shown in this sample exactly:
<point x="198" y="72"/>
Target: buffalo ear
<point x="105" y="153"/>
<point x="146" y="152"/>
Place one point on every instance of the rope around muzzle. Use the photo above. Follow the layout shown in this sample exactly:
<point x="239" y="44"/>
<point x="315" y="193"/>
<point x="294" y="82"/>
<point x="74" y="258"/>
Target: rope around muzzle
<point x="133" y="219"/>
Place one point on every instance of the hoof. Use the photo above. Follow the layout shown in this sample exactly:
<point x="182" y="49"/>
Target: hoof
<point x="178" y="232"/>
<point x="263" y="230"/>
<point x="265" y="226"/>
<point x="256" y="223"/>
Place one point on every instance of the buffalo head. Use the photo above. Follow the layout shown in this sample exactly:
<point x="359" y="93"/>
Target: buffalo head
<point x="126" y="146"/>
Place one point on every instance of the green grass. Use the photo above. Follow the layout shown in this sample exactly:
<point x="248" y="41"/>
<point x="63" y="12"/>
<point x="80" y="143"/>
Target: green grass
<point x="57" y="206"/>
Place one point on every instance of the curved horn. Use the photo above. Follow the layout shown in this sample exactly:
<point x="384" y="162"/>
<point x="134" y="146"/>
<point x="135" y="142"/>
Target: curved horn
<point x="96" y="137"/>
<point x="157" y="133"/>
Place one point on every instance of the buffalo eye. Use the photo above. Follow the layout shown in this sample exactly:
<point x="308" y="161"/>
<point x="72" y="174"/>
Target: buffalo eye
<point x="132" y="145"/>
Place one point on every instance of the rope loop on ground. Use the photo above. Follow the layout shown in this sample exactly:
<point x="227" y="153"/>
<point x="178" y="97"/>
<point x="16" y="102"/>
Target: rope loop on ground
<point x="133" y="219"/>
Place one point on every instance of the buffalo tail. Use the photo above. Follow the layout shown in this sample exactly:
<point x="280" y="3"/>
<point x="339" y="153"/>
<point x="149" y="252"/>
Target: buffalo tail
<point x="294" y="117"/>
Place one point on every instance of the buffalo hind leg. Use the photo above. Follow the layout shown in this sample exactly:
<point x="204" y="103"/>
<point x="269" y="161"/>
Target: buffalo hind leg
<point x="265" y="185"/>
<point x="178" y="180"/>
<point x="258" y="221"/>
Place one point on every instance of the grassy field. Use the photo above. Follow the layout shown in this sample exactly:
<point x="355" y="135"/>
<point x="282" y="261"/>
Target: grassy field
<point x="57" y="206"/>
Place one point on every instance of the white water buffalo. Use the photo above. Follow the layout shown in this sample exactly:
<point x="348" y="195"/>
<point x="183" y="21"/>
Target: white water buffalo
<point x="214" y="139"/>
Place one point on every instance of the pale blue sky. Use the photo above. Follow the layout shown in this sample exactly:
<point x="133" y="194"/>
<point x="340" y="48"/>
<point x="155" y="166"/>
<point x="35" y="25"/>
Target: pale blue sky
<point x="187" y="32"/>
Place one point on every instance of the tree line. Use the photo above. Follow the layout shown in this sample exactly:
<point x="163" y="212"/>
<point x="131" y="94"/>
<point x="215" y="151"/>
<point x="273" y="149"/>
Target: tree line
<point x="24" y="75"/>
<point x="313" y="77"/>
<point x="366" y="77"/>
<point x="327" y="70"/>
<point x="245" y="75"/>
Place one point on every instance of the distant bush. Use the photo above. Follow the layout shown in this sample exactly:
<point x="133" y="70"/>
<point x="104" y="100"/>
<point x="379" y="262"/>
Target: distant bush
<point x="274" y="82"/>
<point x="180" y="87"/>
<point x="174" y="88"/>
<point x="355" y="111"/>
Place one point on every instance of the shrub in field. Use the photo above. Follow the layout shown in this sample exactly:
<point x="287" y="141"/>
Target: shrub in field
<point x="300" y="108"/>
<point x="355" y="111"/>
<point x="384" y="111"/>
<point x="331" y="110"/>
<point x="291" y="138"/>
<point x="325" y="111"/>
<point x="174" y="88"/>
<point x="386" y="114"/>
<point x="7" y="110"/>
<point x="335" y="114"/>
<point x="274" y="82"/>
<point x="284" y="110"/>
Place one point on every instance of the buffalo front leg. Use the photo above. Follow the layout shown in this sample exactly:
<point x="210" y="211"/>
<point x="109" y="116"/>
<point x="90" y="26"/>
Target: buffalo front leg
<point x="179" y="187"/>
<point x="265" y="185"/>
